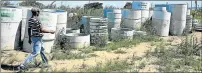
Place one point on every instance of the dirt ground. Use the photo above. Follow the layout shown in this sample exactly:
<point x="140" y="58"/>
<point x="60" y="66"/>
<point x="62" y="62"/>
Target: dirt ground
<point x="17" y="57"/>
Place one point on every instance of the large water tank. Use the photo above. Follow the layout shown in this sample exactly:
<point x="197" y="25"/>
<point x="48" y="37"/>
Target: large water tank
<point x="178" y="19"/>
<point x="10" y="21"/>
<point x="161" y="22"/>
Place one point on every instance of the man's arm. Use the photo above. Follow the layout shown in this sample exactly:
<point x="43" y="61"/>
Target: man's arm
<point x="43" y="30"/>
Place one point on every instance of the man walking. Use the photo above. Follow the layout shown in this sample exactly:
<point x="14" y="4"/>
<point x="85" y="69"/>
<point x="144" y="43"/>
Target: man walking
<point x="35" y="31"/>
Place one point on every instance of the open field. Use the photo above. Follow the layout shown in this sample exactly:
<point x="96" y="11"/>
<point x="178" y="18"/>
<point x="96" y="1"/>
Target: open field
<point x="144" y="53"/>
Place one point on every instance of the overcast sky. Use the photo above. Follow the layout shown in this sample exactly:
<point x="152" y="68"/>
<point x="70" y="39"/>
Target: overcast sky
<point x="109" y="3"/>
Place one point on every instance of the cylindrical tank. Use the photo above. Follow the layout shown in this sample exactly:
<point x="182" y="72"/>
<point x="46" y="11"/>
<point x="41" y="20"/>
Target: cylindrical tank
<point x="121" y="33"/>
<point x="161" y="22"/>
<point x="179" y="12"/>
<point x="76" y="40"/>
<point x="178" y="19"/>
<point x="10" y="21"/>
<point x="100" y="37"/>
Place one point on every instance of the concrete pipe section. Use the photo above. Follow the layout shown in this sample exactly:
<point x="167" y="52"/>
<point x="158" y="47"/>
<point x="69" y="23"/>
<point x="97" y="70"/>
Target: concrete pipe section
<point x="140" y="33"/>
<point x="70" y="30"/>
<point x="161" y="22"/>
<point x="121" y="33"/>
<point x="178" y="19"/>
<point x="10" y="21"/>
<point x="76" y="40"/>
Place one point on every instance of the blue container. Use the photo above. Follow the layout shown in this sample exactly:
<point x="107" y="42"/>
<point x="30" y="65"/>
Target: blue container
<point x="168" y="7"/>
<point x="125" y="13"/>
<point x="84" y="20"/>
<point x="107" y="10"/>
<point x="136" y="5"/>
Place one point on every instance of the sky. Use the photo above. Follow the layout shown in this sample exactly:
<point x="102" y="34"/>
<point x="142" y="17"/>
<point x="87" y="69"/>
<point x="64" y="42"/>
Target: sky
<point x="114" y="3"/>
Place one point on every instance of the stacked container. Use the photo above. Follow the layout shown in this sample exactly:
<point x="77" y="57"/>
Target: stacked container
<point x="134" y="20"/>
<point x="98" y="31"/>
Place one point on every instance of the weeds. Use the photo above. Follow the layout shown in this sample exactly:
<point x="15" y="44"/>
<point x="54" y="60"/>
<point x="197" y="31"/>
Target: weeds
<point x="182" y="57"/>
<point x="110" y="67"/>
<point x="69" y="55"/>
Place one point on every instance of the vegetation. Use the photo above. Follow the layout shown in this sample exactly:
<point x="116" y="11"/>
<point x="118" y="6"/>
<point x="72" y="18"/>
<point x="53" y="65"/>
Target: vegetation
<point x="95" y="5"/>
<point x="184" y="57"/>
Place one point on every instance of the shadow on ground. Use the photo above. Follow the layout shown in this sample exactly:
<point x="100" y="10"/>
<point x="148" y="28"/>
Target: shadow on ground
<point x="9" y="67"/>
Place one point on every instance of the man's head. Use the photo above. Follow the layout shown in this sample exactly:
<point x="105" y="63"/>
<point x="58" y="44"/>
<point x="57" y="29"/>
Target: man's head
<point x="35" y="12"/>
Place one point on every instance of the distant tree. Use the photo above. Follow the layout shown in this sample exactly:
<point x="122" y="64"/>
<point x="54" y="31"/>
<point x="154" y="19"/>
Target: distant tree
<point x="96" y="5"/>
<point x="128" y="5"/>
<point x="32" y="3"/>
